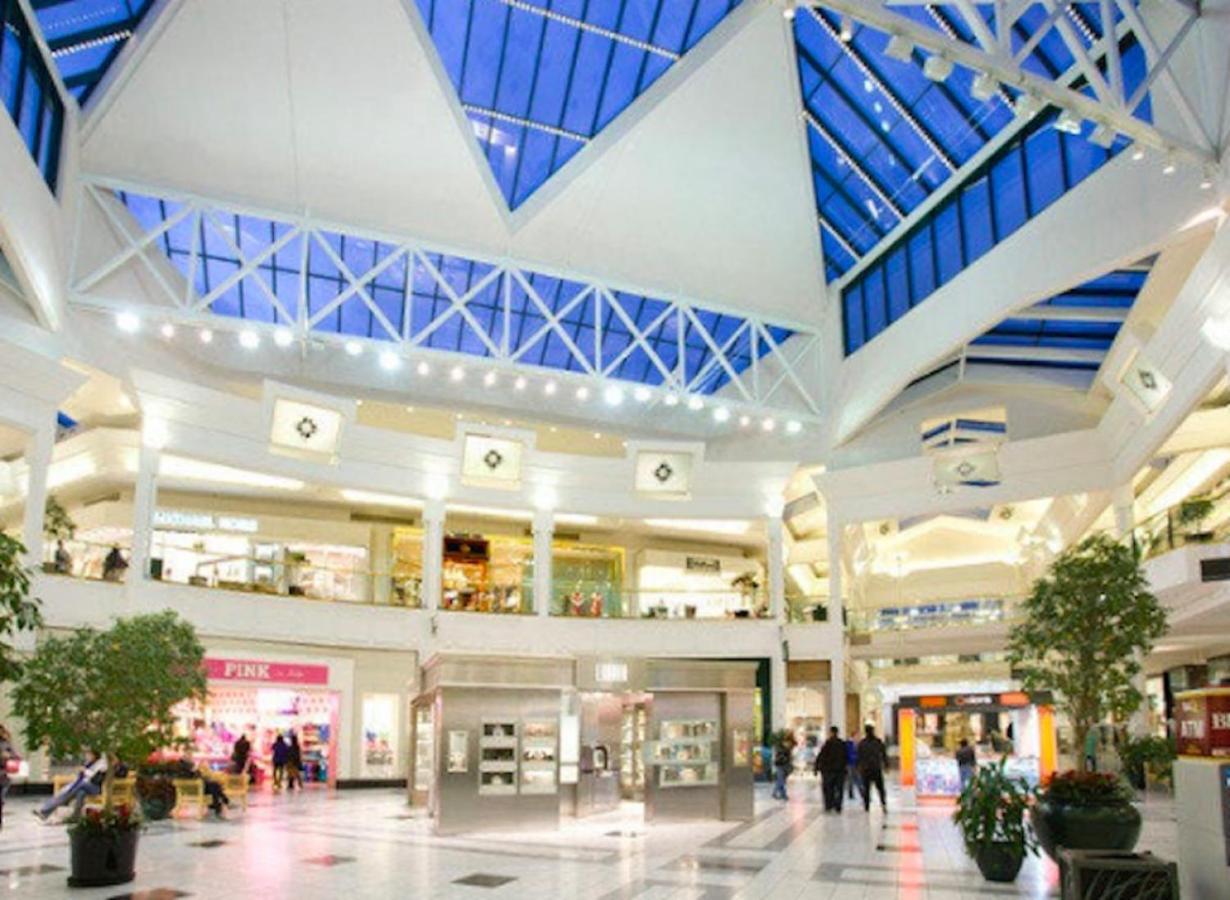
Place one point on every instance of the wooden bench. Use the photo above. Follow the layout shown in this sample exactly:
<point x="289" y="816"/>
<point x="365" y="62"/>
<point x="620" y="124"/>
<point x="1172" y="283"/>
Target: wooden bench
<point x="190" y="796"/>
<point x="235" y="787"/>
<point x="123" y="790"/>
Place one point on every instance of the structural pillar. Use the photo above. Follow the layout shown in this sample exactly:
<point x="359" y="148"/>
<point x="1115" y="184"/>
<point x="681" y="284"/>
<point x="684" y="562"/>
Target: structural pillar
<point x="39" y="448"/>
<point x="778" y="684"/>
<point x="544" y="536"/>
<point x="776" y="551"/>
<point x="433" y="555"/>
<point x="1123" y="498"/>
<point x="836" y="624"/>
<point x="144" y="501"/>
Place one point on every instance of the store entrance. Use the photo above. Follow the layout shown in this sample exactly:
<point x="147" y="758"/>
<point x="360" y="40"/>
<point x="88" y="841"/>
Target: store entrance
<point x="263" y="713"/>
<point x="635" y="709"/>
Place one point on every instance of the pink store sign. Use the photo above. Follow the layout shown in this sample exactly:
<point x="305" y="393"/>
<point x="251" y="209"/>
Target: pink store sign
<point x="259" y="670"/>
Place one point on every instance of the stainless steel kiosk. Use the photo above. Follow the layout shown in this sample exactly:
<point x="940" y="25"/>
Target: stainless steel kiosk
<point x="502" y="742"/>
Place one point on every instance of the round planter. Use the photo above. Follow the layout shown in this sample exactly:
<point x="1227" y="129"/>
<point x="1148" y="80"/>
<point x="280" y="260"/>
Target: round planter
<point x="1000" y="862"/>
<point x="103" y="859"/>
<point x="1099" y="826"/>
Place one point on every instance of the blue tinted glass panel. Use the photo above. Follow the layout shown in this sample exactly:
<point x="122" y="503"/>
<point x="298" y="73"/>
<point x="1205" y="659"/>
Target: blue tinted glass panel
<point x="922" y="264"/>
<point x="875" y="301"/>
<point x="896" y="274"/>
<point x="1008" y="188"/>
<point x="86" y="36"/>
<point x="948" y="243"/>
<point x="978" y="228"/>
<point x="1044" y="168"/>
<point x="28" y="92"/>
<point x="852" y="299"/>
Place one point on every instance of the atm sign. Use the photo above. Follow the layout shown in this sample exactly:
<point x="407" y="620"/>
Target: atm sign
<point x="1203" y="723"/>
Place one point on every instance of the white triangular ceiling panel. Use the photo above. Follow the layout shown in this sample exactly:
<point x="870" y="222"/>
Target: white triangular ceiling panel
<point x="336" y="109"/>
<point x="702" y="188"/>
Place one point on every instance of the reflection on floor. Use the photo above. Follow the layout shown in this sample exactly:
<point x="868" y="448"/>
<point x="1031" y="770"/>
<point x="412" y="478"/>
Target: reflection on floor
<point x="361" y="844"/>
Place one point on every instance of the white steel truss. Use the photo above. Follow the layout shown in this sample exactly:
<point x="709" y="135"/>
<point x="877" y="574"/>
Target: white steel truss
<point x="994" y="53"/>
<point x="752" y="364"/>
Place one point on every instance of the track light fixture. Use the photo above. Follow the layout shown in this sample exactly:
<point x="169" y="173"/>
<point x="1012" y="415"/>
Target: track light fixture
<point x="899" y="48"/>
<point x="937" y="68"/>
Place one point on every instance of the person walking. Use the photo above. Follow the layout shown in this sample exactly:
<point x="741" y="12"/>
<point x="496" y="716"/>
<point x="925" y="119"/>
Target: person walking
<point x="831" y="767"/>
<point x="240" y="754"/>
<point x="871" y="759"/>
<point x="967" y="763"/>
<point x="280" y="753"/>
<point x="294" y="764"/>
<point x="88" y="783"/>
<point x="782" y="766"/>
<point x="853" y="782"/>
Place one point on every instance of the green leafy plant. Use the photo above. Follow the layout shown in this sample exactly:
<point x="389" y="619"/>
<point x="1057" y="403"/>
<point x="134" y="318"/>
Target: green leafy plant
<point x="111" y="691"/>
<point x="18" y="610"/>
<point x="1086" y="626"/>
<point x="1087" y="788"/>
<point x="1192" y="514"/>
<point x="1152" y="755"/>
<point x="991" y="810"/>
<point x="58" y="525"/>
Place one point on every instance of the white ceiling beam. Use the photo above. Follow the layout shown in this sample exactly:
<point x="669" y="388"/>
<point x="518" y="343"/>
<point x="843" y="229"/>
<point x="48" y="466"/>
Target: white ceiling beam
<point x="1072" y="314"/>
<point x="1035" y="354"/>
<point x="876" y="14"/>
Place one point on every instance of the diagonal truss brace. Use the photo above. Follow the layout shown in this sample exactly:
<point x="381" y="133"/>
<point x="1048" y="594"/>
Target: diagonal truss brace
<point x="782" y="377"/>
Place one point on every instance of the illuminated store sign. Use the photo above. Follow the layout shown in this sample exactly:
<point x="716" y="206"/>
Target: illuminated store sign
<point x="1202" y="720"/>
<point x="265" y="672"/>
<point x="194" y="521"/>
<point x="611" y="672"/>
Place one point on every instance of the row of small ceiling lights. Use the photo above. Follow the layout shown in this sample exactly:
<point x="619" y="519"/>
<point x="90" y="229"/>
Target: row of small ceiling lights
<point x="937" y="67"/>
<point x="612" y="394"/>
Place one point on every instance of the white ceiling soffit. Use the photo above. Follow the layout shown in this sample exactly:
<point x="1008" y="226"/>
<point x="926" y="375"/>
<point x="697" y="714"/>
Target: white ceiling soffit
<point x="702" y="187"/>
<point x="699" y="190"/>
<point x="336" y="109"/>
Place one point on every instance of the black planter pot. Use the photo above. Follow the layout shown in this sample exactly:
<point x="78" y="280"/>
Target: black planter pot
<point x="1000" y="862"/>
<point x="1099" y="826"/>
<point x="103" y="859"/>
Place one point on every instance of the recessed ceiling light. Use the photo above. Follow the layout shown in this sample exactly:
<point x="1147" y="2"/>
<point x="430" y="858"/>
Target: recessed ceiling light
<point x="721" y="414"/>
<point x="768" y="424"/>
<point x="613" y="395"/>
<point x="390" y="361"/>
<point x="695" y="403"/>
<point x="457" y="373"/>
<point x="597" y="435"/>
<point x="423" y="368"/>
<point x="519" y="384"/>
<point x="549" y="388"/>
<point x="745" y="421"/>
<point x="793" y="427"/>
<point x="489" y="379"/>
<point x="249" y="340"/>
<point x="128" y="321"/>
<point x="354" y="348"/>
<point x="283" y="337"/>
<point x="642" y="394"/>
<point x="206" y="336"/>
<point x="167" y="330"/>
<point x="582" y="393"/>
<point x="671" y="399"/>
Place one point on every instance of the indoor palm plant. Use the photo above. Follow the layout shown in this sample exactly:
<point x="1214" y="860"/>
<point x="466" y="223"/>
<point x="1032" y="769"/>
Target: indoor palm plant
<point x="991" y="816"/>
<point x="1087" y="624"/>
<point x="112" y="691"/>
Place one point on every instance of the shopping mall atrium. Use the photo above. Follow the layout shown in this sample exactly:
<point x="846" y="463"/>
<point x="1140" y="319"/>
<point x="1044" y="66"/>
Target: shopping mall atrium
<point x="560" y="414"/>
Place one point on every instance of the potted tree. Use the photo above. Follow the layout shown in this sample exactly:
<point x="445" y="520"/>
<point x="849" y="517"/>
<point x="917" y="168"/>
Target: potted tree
<point x="58" y="526"/>
<point x="18" y="610"/>
<point x="1086" y="626"/>
<point x="1192" y="513"/>
<point x="112" y="691"/>
<point x="991" y="816"/>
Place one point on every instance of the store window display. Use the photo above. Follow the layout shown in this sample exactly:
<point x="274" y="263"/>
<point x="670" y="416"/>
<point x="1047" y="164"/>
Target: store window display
<point x="488" y="574"/>
<point x="588" y="581"/>
<point x="700" y="585"/>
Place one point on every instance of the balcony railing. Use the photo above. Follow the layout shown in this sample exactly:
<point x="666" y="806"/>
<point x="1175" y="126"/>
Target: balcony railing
<point x="928" y="615"/>
<point x="1181" y="525"/>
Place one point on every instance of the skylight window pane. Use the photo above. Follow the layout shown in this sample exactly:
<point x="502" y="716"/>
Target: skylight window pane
<point x="977" y="225"/>
<point x="896" y="273"/>
<point x="922" y="264"/>
<point x="852" y="299"/>
<point x="1008" y="187"/>
<point x="948" y="242"/>
<point x="1044" y="167"/>
<point x="86" y="36"/>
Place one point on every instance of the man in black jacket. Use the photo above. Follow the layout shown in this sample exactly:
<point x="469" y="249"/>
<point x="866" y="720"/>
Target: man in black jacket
<point x="831" y="767"/>
<point x="871" y="760"/>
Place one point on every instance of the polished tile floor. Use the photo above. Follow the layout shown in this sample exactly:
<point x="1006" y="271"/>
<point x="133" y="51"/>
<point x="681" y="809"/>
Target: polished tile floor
<point x="362" y="844"/>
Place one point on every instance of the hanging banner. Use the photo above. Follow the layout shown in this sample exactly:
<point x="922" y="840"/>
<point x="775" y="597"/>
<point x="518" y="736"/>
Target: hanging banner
<point x="491" y="462"/>
<point x="305" y="430"/>
<point x="662" y="473"/>
<point x="979" y="469"/>
<point x="1146" y="383"/>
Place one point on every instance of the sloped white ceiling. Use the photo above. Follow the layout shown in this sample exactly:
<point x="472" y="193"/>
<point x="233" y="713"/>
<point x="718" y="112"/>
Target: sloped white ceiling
<point x="700" y="189"/>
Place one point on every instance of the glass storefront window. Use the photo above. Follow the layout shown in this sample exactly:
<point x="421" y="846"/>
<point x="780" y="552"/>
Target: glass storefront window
<point x="488" y="574"/>
<point x="407" y="567"/>
<point x="700" y="586"/>
<point x="379" y="735"/>
<point x="587" y="580"/>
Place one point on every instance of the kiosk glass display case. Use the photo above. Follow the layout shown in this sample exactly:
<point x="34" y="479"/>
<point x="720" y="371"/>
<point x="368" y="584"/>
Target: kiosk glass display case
<point x="685" y="753"/>
<point x="497" y="759"/>
<point x="538" y="757"/>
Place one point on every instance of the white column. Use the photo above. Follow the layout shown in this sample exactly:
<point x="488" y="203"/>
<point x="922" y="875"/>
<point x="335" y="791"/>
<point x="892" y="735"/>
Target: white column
<point x="544" y="534"/>
<point x="837" y="680"/>
<point x="1123" y="498"/>
<point x="433" y="554"/>
<point x="777" y="686"/>
<point x="837" y="691"/>
<point x="775" y="549"/>
<point x="381" y="565"/>
<point x="38" y="454"/>
<point x="144" y="501"/>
